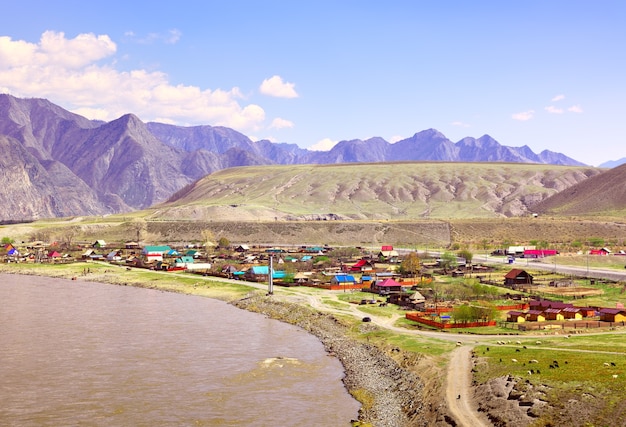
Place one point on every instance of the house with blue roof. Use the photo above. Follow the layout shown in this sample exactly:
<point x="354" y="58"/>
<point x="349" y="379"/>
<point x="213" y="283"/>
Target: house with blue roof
<point x="343" y="279"/>
<point x="155" y="253"/>
<point x="260" y="273"/>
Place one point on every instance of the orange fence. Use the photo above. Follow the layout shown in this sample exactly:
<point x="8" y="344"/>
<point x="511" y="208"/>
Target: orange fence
<point x="417" y="318"/>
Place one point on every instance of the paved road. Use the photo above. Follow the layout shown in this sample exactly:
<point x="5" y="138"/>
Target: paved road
<point x="554" y="266"/>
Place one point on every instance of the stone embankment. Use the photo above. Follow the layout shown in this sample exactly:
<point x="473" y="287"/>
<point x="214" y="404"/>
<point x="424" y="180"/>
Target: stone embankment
<point x="390" y="394"/>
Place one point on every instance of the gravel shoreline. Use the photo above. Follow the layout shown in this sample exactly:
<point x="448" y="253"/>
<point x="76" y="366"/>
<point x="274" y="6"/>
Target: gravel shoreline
<point x="391" y="395"/>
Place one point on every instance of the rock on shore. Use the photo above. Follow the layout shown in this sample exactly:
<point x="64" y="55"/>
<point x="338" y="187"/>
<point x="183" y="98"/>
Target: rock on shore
<point x="390" y="395"/>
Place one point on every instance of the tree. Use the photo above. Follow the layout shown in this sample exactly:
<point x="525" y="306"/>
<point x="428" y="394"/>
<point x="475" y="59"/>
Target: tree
<point x="448" y="261"/>
<point x="6" y="241"/>
<point x="68" y="234"/>
<point x="466" y="254"/>
<point x="411" y="264"/>
<point x="223" y="243"/>
<point x="207" y="238"/>
<point x="139" y="227"/>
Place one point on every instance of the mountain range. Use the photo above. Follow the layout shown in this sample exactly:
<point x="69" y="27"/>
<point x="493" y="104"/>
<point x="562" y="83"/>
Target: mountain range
<point x="58" y="163"/>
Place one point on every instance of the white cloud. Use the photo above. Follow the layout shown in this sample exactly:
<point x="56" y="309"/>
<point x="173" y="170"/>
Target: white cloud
<point x="524" y="115"/>
<point x="274" y="86"/>
<point x="73" y="74"/>
<point x="323" y="145"/>
<point x="279" y="123"/>
<point x="460" y="124"/>
<point x="170" y="37"/>
<point x="575" y="109"/>
<point x="553" y="110"/>
<point x="558" y="98"/>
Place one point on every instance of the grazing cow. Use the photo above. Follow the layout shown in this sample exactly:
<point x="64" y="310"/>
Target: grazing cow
<point x="533" y="361"/>
<point x="537" y="342"/>
<point x="518" y="342"/>
<point x="614" y="375"/>
<point x="612" y="363"/>
<point x="514" y="360"/>
<point x="606" y="364"/>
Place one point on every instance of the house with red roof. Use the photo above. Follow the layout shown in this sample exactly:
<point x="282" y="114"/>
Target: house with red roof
<point x="517" y="277"/>
<point x="386" y="286"/>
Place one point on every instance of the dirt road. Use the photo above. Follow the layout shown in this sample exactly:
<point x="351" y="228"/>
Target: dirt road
<point x="459" y="390"/>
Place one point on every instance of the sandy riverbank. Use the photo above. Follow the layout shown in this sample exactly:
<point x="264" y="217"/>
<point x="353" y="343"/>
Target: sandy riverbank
<point x="391" y="394"/>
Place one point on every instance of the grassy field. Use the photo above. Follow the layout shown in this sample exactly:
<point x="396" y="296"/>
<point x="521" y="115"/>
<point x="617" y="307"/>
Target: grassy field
<point x="587" y="370"/>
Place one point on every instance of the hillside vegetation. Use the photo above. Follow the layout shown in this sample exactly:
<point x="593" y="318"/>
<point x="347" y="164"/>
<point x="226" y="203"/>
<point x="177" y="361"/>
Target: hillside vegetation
<point x="398" y="191"/>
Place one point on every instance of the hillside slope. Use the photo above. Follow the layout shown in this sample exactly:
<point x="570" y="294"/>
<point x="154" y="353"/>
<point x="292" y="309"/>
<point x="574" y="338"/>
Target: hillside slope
<point x="373" y="191"/>
<point x="602" y="194"/>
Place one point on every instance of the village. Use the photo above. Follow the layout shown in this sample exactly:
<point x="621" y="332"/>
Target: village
<point x="443" y="292"/>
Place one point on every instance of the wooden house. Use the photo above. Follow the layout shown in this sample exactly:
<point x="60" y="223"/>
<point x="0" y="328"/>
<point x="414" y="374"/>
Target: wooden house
<point x="389" y="255"/>
<point x="361" y="266"/>
<point x="516" y="316"/>
<point x="587" y="311"/>
<point x="545" y="304"/>
<point x="612" y="314"/>
<point x="553" y="314"/>
<point x="386" y="286"/>
<point x="343" y="279"/>
<point x="573" y="313"/>
<point x="535" y="316"/>
<point x="99" y="244"/>
<point x="155" y="253"/>
<point x="516" y="278"/>
<point x="413" y="301"/>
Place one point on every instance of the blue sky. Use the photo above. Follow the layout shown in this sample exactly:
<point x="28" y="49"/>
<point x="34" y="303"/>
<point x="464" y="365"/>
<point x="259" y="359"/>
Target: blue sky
<point x="547" y="74"/>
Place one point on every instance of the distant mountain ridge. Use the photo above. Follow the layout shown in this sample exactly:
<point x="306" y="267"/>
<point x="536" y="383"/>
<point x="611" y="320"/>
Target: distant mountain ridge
<point x="62" y="164"/>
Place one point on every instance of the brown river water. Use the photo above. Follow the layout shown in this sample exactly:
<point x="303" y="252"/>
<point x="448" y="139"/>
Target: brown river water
<point x="76" y="353"/>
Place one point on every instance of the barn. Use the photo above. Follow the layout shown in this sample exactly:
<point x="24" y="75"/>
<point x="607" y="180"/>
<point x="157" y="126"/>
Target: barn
<point x="516" y="278"/>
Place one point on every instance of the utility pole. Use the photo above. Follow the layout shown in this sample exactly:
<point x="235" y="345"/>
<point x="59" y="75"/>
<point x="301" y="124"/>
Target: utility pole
<point x="270" y="290"/>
